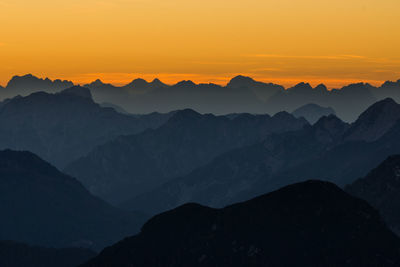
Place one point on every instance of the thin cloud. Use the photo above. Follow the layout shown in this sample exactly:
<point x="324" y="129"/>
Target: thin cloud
<point x="331" y="57"/>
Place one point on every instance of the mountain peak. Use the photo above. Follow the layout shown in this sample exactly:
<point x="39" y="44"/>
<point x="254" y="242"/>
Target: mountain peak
<point x="240" y="81"/>
<point x="139" y="82"/>
<point x="77" y="91"/>
<point x="375" y="121"/>
<point x="186" y="83"/>
<point x="321" y="87"/>
<point x="301" y="87"/>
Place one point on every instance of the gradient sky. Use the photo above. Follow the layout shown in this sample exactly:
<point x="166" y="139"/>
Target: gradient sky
<point x="282" y="41"/>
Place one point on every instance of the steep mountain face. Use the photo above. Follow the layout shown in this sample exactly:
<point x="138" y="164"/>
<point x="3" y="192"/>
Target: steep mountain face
<point x="64" y="126"/>
<point x="375" y="121"/>
<point x="381" y="188"/>
<point x="237" y="174"/>
<point x="312" y="112"/>
<point x="315" y="223"/>
<point x="48" y="208"/>
<point x="13" y="254"/>
<point x="130" y="165"/>
<point x="27" y="84"/>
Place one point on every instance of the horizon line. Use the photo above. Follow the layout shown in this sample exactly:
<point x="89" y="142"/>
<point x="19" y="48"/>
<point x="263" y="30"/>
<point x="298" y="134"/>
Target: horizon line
<point x="218" y="80"/>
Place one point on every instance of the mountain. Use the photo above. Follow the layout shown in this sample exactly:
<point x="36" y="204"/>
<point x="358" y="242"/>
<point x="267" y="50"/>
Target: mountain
<point x="263" y="90"/>
<point x="27" y="84"/>
<point x="123" y="95"/>
<point x="237" y="174"/>
<point x="64" y="126"/>
<point x="48" y="208"/>
<point x="312" y="112"/>
<point x="204" y="98"/>
<point x="307" y="224"/>
<point x="348" y="102"/>
<point x="13" y="254"/>
<point x="381" y="188"/>
<point x="388" y="89"/>
<point x="322" y="151"/>
<point x="375" y="121"/>
<point x="131" y="165"/>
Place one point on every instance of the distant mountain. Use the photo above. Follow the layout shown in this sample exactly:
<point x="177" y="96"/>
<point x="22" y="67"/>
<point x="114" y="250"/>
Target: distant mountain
<point x="388" y="89"/>
<point x="381" y="188"/>
<point x="204" y="98"/>
<point x="321" y="151"/>
<point x="131" y="165"/>
<point x="313" y="112"/>
<point x="308" y="224"/>
<point x="263" y="90"/>
<point x="236" y="175"/>
<point x="27" y="84"/>
<point x="241" y="95"/>
<point x="375" y="121"/>
<point x="64" y="126"/>
<point x="45" y="207"/>
<point x="348" y="102"/>
<point x="13" y="254"/>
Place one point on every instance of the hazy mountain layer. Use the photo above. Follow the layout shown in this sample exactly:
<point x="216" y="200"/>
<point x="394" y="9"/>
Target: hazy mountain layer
<point x="130" y="165"/>
<point x="64" y="126"/>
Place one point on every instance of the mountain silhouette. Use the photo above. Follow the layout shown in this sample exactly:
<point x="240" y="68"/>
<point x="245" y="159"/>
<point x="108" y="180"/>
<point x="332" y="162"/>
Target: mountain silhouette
<point x="27" y="84"/>
<point x="45" y="207"/>
<point x="381" y="188"/>
<point x="131" y="165"/>
<point x="241" y="95"/>
<point x="262" y="90"/>
<point x="375" y="121"/>
<point x="63" y="126"/>
<point x="307" y="224"/>
<point x="13" y="254"/>
<point x="313" y="112"/>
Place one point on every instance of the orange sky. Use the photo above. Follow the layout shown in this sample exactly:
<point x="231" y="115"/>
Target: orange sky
<point x="282" y="41"/>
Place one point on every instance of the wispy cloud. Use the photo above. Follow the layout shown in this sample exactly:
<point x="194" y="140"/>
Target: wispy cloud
<point x="331" y="57"/>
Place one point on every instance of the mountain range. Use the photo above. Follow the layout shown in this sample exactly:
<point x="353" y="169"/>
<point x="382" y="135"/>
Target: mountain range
<point x="133" y="164"/>
<point x="42" y="206"/>
<point x="307" y="224"/>
<point x="327" y="150"/>
<point x="240" y="95"/>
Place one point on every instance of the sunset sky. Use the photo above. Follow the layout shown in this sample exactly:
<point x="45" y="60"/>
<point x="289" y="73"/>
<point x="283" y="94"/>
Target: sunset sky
<point x="281" y="41"/>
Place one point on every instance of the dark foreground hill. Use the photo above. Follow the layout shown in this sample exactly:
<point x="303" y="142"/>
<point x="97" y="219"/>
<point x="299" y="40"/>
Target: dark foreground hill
<point x="13" y="254"/>
<point x="42" y="206"/>
<point x="307" y="224"/>
<point x="381" y="188"/>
